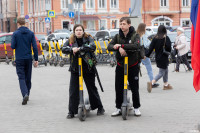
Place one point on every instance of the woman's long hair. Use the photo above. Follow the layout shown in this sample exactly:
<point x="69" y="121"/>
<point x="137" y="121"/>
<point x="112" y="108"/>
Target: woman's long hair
<point x="141" y="29"/>
<point x="73" y="36"/>
<point x="161" y="32"/>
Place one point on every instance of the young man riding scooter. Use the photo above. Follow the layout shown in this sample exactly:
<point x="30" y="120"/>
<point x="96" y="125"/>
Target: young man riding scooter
<point x="126" y="43"/>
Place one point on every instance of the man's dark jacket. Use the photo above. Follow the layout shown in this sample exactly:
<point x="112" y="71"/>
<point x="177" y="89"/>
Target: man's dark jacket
<point x="22" y="40"/>
<point x="130" y="47"/>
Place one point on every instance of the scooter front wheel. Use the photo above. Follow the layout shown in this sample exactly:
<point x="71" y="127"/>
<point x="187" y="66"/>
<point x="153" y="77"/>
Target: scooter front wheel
<point x="81" y="114"/>
<point x="124" y="113"/>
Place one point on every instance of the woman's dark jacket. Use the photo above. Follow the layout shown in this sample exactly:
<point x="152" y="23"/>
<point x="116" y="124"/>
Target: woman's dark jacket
<point x="87" y="48"/>
<point x="162" y="60"/>
<point x="130" y="46"/>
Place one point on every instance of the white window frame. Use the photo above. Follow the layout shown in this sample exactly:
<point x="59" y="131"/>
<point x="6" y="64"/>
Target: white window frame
<point x="165" y="17"/>
<point x="186" y="4"/>
<point x="184" y="19"/>
<point x="89" y="4"/>
<point x="36" y="27"/>
<point x="35" y="5"/>
<point x="76" y="6"/>
<point x="117" y="2"/>
<point x="62" y="6"/>
<point x="94" y="24"/>
<point x="39" y="6"/>
<point x="111" y="23"/>
<point x="30" y="26"/>
<point x="106" y="24"/>
<point x="64" y="21"/>
<point x="42" y="26"/>
<point x="0" y="7"/>
<point x="39" y="26"/>
<point x="21" y="10"/>
<point x="30" y="6"/>
<point x="105" y="5"/>
<point x="167" y="3"/>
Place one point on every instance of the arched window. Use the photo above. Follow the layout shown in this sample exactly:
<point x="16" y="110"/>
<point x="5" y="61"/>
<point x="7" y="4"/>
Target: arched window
<point x="162" y="20"/>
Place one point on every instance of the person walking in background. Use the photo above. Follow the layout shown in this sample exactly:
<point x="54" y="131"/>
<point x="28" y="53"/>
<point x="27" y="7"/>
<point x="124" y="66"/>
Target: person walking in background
<point x="82" y="42"/>
<point x="22" y="41"/>
<point x="162" y="45"/>
<point x="146" y="42"/>
<point x="182" y="47"/>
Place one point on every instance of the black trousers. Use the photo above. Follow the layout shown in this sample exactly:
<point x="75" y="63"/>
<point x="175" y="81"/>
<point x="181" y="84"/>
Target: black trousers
<point x="94" y="98"/>
<point x="182" y="59"/>
<point x="133" y="79"/>
<point x="24" y="71"/>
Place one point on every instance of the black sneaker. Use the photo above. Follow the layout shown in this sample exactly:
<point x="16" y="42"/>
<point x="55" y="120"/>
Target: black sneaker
<point x="70" y="116"/>
<point x="25" y="99"/>
<point x="100" y="111"/>
<point x="155" y="85"/>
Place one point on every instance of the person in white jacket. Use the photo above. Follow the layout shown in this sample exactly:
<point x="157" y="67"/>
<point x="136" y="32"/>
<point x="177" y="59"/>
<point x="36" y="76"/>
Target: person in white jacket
<point x="182" y="47"/>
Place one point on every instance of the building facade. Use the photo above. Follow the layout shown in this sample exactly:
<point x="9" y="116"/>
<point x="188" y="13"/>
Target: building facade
<point x="8" y="15"/>
<point x="95" y="14"/>
<point x="166" y="12"/>
<point x="100" y="14"/>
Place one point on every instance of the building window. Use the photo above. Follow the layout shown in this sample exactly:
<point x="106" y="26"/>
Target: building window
<point x="91" y="25"/>
<point x="48" y="4"/>
<point x="39" y="26"/>
<point x="76" y="5"/>
<point x="42" y="5"/>
<point x="30" y="26"/>
<point x="65" y="24"/>
<point x="64" y="4"/>
<point x="90" y="4"/>
<point x="0" y="6"/>
<point x="114" y="3"/>
<point x="185" y="2"/>
<point x="22" y="7"/>
<point x="39" y="5"/>
<point x="35" y="4"/>
<point x="185" y="22"/>
<point x="36" y="27"/>
<point x="102" y="24"/>
<point x="42" y="26"/>
<point x="163" y="3"/>
<point x="102" y="3"/>
<point x="114" y="24"/>
<point x="30" y="6"/>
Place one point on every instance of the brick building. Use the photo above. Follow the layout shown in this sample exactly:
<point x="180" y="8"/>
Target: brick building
<point x="95" y="14"/>
<point x="167" y="12"/>
<point x="101" y="14"/>
<point x="8" y="15"/>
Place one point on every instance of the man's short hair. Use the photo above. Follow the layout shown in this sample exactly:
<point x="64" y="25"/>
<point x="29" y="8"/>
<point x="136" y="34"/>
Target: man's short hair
<point x="21" y="21"/>
<point x="128" y="20"/>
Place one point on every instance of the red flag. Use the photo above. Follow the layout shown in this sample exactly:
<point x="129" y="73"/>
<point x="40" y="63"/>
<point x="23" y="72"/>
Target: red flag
<point x="195" y="49"/>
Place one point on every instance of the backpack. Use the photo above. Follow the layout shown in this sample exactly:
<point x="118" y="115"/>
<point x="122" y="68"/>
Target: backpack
<point x="140" y="51"/>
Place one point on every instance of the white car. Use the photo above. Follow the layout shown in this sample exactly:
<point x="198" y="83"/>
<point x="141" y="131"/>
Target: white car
<point x="57" y="36"/>
<point x="151" y="30"/>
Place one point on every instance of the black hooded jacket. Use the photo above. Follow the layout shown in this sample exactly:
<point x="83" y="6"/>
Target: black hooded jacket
<point x="130" y="46"/>
<point x="87" y="48"/>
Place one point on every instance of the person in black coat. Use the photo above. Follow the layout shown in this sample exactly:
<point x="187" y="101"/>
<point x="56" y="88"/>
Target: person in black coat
<point x="162" y="45"/>
<point x="83" y="44"/>
<point x="126" y="43"/>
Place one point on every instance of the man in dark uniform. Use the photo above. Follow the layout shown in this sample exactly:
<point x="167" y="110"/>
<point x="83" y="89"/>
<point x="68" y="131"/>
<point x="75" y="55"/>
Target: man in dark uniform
<point x="22" y="40"/>
<point x="126" y="43"/>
